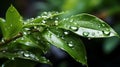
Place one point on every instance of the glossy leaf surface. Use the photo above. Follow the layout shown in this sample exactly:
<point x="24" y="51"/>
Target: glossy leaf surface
<point x="87" y="26"/>
<point x="13" y="23"/>
<point x="67" y="41"/>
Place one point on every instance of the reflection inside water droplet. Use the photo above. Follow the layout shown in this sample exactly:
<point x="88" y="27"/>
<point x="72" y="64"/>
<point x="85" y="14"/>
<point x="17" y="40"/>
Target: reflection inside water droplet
<point x="85" y="34"/>
<point x="106" y="32"/>
<point x="26" y="55"/>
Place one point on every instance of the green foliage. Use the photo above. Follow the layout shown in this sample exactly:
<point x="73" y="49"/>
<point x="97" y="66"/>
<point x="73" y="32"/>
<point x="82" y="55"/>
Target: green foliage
<point x="13" y="23"/>
<point x="31" y="39"/>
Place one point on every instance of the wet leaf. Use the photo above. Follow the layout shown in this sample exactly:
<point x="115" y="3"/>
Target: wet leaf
<point x="71" y="43"/>
<point x="13" y="23"/>
<point x="87" y="26"/>
<point x="18" y="50"/>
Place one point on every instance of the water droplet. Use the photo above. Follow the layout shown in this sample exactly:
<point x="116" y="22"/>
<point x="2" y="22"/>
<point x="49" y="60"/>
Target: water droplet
<point x="12" y="58"/>
<point x="89" y="38"/>
<point x="27" y="29"/>
<point x="93" y="34"/>
<point x="25" y="33"/>
<point x="26" y="55"/>
<point x="11" y="25"/>
<point x="70" y="45"/>
<point x="85" y="34"/>
<point x="105" y="32"/>
<point x="3" y="51"/>
<point x="103" y="24"/>
<point x="38" y="16"/>
<point x="71" y="20"/>
<point x="44" y="21"/>
<point x="27" y="43"/>
<point x="66" y="32"/>
<point x="57" y="18"/>
<point x="74" y="28"/>
<point x="56" y="22"/>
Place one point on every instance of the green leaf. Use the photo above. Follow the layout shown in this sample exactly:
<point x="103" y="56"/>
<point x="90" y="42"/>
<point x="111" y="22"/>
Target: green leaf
<point x="17" y="50"/>
<point x="68" y="42"/>
<point x="13" y="23"/>
<point x="87" y="26"/>
<point x="19" y="63"/>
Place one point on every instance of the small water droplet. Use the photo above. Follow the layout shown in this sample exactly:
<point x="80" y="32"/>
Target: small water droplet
<point x="66" y="32"/>
<point x="38" y="16"/>
<point x="71" y="20"/>
<point x="56" y="22"/>
<point x="74" y="28"/>
<point x="89" y="38"/>
<point x="27" y="43"/>
<point x="26" y="55"/>
<point x="3" y="51"/>
<point x="12" y="58"/>
<point x="25" y="33"/>
<point x="70" y="45"/>
<point x="102" y="24"/>
<point x="27" y="29"/>
<point x="85" y="34"/>
<point x="43" y="21"/>
<point x="57" y="18"/>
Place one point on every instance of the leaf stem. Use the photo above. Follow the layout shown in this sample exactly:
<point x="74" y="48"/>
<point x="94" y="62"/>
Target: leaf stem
<point x="6" y="41"/>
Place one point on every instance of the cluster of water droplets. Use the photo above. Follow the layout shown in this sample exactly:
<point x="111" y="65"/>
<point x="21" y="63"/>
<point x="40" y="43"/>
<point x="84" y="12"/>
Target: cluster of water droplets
<point x="27" y="55"/>
<point x="70" y="44"/>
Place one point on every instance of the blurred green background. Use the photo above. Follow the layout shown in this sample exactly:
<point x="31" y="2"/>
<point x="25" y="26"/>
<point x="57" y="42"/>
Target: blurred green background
<point x="100" y="52"/>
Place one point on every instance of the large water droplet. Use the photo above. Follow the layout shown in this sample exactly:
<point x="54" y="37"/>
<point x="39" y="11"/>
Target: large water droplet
<point x="74" y="28"/>
<point x="85" y="34"/>
<point x="105" y="32"/>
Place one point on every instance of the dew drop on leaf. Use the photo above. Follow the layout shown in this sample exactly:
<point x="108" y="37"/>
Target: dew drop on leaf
<point x="102" y="24"/>
<point x="66" y="32"/>
<point x="43" y="21"/>
<point x="105" y="32"/>
<point x="27" y="43"/>
<point x="85" y="34"/>
<point x="70" y="45"/>
<point x="56" y="22"/>
<point x="71" y="20"/>
<point x="74" y="28"/>
<point x="26" y="55"/>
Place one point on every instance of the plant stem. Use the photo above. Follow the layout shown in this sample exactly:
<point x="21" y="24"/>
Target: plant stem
<point x="6" y="41"/>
